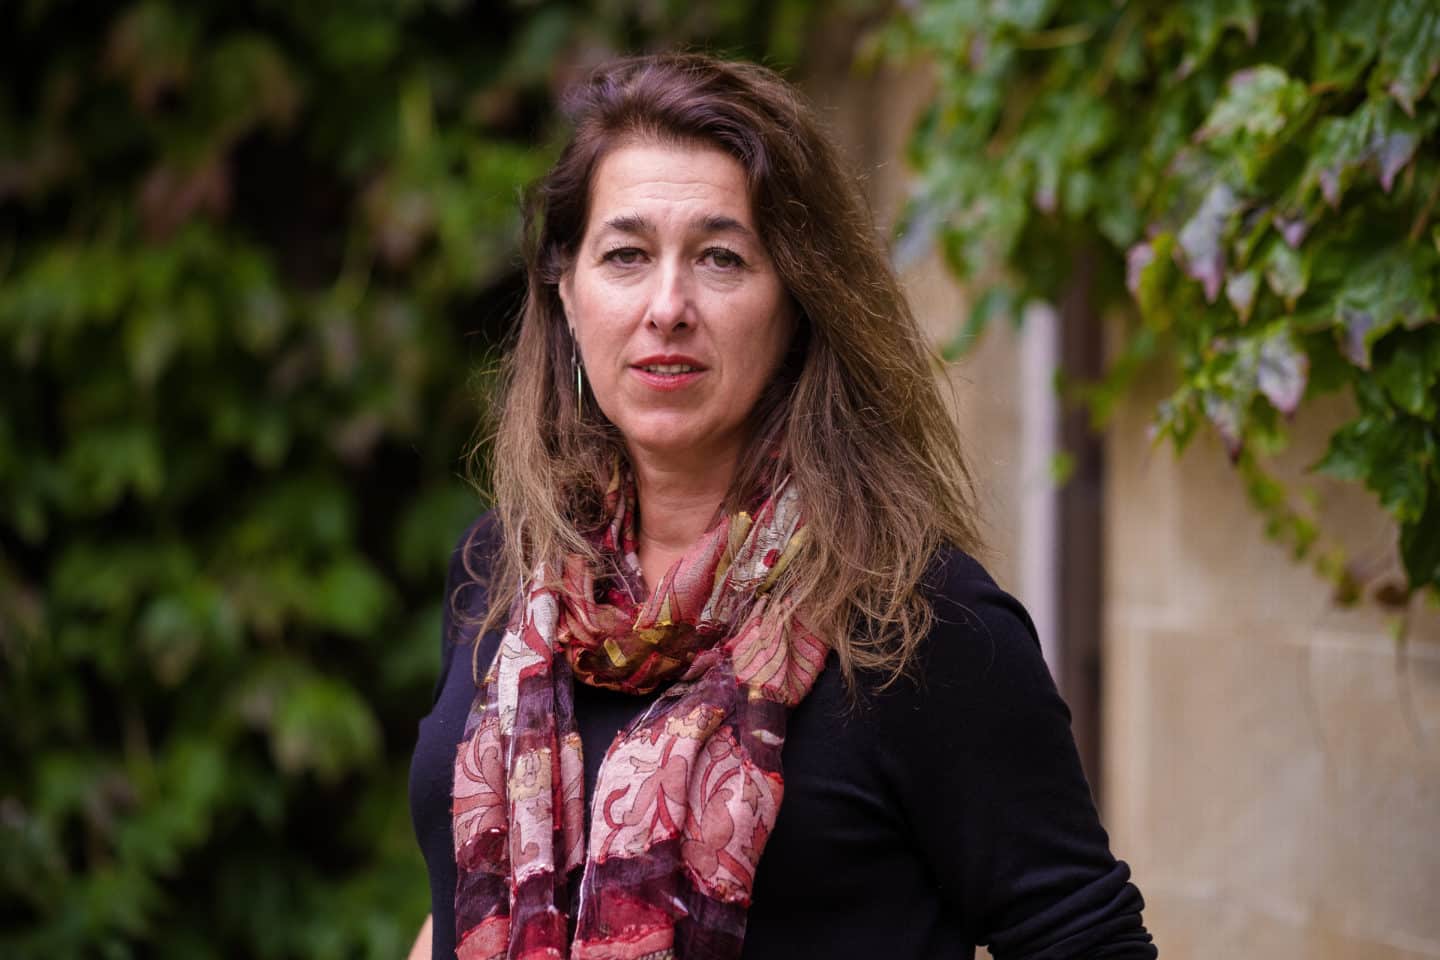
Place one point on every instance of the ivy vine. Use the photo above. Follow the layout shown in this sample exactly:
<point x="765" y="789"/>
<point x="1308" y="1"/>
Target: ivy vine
<point x="1259" y="180"/>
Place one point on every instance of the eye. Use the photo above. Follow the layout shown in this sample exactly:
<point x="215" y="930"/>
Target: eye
<point x="625" y="256"/>
<point x="724" y="258"/>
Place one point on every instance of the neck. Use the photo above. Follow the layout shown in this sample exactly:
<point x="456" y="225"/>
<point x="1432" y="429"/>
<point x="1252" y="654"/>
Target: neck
<point x="677" y="502"/>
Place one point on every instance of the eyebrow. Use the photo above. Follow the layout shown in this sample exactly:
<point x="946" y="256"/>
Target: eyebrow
<point x="633" y="223"/>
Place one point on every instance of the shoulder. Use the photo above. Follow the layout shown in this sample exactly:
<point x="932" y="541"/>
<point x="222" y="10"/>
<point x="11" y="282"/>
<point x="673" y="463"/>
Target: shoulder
<point x="981" y="655"/>
<point x="468" y="581"/>
<point x="974" y="618"/>
<point x="476" y="548"/>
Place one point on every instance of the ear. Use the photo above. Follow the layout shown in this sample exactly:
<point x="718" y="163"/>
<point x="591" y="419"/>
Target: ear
<point x="564" y="289"/>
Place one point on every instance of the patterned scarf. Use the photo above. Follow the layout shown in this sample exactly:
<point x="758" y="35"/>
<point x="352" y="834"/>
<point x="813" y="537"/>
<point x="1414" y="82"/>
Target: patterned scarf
<point x="688" y="792"/>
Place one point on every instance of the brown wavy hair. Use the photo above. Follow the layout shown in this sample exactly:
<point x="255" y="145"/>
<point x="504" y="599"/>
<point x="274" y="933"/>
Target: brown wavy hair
<point x="854" y="417"/>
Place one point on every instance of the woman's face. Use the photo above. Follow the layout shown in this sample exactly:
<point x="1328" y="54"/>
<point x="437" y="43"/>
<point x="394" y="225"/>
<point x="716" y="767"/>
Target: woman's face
<point x="680" y="316"/>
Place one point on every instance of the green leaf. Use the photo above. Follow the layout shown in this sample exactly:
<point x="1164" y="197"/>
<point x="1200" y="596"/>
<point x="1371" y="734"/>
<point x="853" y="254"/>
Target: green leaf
<point x="106" y="463"/>
<point x="351" y="598"/>
<point x="151" y="341"/>
<point x="1147" y="271"/>
<point x="249" y="83"/>
<point x="1410" y="373"/>
<point x="324" y="727"/>
<point x="1226" y="412"/>
<point x="1392" y="459"/>
<point x="296" y="515"/>
<point x="1240" y="290"/>
<point x="428" y="529"/>
<point x="997" y="300"/>
<point x="1287" y="273"/>
<point x="1258" y="103"/>
<point x="1373" y="137"/>
<point x="179" y="627"/>
<point x="1022" y="14"/>
<point x="152" y="48"/>
<point x="1346" y="45"/>
<point x="1393" y="287"/>
<point x="1410" y="55"/>
<point x="1202" y="25"/>
<point x="1420" y="547"/>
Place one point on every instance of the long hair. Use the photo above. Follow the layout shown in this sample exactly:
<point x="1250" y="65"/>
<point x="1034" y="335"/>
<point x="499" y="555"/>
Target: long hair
<point x="854" y="417"/>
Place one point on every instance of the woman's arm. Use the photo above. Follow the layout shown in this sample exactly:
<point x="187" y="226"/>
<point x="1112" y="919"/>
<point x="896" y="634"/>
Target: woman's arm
<point x="986" y="768"/>
<point x="421" y="949"/>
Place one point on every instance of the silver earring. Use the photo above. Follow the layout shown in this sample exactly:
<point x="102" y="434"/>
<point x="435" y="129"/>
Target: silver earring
<point x="579" y="375"/>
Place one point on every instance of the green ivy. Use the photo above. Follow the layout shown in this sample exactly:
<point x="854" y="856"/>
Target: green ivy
<point x="1258" y="180"/>
<point x="250" y="254"/>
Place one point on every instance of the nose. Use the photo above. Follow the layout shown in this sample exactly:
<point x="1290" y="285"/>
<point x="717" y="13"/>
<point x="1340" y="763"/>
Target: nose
<point x="670" y="309"/>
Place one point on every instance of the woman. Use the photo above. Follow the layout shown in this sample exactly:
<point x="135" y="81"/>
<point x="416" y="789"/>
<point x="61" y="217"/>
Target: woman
<point x="754" y="697"/>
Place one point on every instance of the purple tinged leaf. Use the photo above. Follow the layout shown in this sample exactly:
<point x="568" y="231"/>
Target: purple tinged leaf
<point x="1137" y="258"/>
<point x="1354" y="341"/>
<point x="1240" y="291"/>
<point x="1045" y="197"/>
<point x="1393" y="153"/>
<point x="1148" y="268"/>
<point x="1200" y="238"/>
<point x="920" y="232"/>
<point x="1283" y="371"/>
<point x="1292" y="230"/>
<point x="402" y="216"/>
<point x="1404" y="94"/>
<point x="1224" y="414"/>
<point x="172" y="196"/>
<point x="152" y="48"/>
<point x="977" y="52"/>
<point x="1330" y="185"/>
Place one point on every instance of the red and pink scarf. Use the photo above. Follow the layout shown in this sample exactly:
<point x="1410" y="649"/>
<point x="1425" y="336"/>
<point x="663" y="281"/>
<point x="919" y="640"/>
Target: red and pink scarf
<point x="687" y="794"/>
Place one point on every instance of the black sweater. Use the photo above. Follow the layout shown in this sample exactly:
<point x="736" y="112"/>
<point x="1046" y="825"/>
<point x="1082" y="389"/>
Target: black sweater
<point x="944" y="812"/>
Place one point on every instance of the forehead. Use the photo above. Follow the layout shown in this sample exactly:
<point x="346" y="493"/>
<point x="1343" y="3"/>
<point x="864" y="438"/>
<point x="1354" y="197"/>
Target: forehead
<point x="668" y="181"/>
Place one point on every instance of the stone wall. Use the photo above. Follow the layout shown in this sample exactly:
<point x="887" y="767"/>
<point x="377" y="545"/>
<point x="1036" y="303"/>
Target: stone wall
<point x="1273" y="760"/>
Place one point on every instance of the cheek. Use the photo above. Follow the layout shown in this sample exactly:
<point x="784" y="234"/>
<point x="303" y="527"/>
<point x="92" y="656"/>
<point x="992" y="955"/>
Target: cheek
<point x="765" y="343"/>
<point x="594" y="320"/>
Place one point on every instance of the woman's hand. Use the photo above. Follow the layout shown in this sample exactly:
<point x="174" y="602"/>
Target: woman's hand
<point x="421" y="949"/>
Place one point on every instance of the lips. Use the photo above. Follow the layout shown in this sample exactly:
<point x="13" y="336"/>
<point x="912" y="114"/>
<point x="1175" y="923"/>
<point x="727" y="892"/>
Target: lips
<point x="668" y="364"/>
<point x="667" y="371"/>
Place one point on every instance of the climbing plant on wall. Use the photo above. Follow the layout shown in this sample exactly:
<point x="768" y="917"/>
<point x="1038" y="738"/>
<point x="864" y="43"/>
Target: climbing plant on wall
<point x="1258" y="180"/>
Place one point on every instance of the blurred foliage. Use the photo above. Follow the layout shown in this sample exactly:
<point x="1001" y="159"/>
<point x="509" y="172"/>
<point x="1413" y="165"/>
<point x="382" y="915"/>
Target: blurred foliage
<point x="250" y="253"/>
<point x="1259" y="179"/>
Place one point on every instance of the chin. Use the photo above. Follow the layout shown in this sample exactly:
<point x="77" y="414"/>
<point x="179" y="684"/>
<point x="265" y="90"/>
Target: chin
<point x="668" y="443"/>
<point x="674" y="440"/>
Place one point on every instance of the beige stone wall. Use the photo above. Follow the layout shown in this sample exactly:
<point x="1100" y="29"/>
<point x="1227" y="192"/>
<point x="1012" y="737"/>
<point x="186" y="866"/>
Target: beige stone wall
<point x="1273" y="761"/>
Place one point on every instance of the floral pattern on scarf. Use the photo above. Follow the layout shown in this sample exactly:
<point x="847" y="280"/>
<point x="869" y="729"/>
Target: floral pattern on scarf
<point x="687" y="794"/>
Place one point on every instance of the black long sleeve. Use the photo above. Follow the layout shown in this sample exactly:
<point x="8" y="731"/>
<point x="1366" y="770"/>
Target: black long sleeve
<point x="985" y="767"/>
<point x="945" y="811"/>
